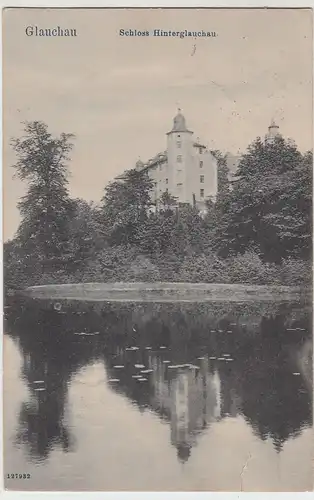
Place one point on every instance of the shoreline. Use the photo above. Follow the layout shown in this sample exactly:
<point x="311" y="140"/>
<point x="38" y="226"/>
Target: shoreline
<point x="166" y="292"/>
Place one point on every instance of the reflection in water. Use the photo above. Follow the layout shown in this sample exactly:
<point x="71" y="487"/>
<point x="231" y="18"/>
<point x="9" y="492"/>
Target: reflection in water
<point x="190" y="365"/>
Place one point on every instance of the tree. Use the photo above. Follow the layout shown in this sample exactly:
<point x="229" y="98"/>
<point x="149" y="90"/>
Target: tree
<point x="85" y="239"/>
<point x="172" y="229"/>
<point x="46" y="208"/>
<point x="268" y="211"/>
<point x="125" y="207"/>
<point x="293" y="217"/>
<point x="17" y="271"/>
<point x="167" y="203"/>
<point x="190" y="234"/>
<point x="155" y="236"/>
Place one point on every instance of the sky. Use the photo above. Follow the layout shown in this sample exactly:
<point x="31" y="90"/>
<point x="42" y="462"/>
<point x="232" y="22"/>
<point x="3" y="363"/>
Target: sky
<point x="119" y="95"/>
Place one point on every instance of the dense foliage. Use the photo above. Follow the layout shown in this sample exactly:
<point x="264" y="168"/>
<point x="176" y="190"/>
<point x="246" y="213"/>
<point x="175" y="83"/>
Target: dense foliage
<point x="46" y="208"/>
<point x="258" y="231"/>
<point x="269" y="207"/>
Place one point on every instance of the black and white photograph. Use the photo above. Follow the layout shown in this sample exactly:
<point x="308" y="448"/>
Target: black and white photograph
<point x="157" y="255"/>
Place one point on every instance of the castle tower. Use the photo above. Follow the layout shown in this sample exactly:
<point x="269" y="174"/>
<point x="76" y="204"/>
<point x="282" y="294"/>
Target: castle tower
<point x="139" y="165"/>
<point x="273" y="131"/>
<point x="179" y="154"/>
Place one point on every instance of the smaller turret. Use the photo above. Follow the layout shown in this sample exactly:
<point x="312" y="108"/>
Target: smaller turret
<point x="139" y="165"/>
<point x="273" y="131"/>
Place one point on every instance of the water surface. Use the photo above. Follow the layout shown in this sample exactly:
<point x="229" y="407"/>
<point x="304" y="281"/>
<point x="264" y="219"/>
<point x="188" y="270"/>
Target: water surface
<point x="158" y="397"/>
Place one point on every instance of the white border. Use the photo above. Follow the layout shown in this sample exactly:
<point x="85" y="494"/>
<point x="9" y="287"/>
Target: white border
<point x="158" y="3"/>
<point x="10" y="495"/>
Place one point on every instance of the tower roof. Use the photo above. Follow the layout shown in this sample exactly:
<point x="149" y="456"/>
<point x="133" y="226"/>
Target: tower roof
<point x="179" y="124"/>
<point x="139" y="164"/>
<point x="273" y="124"/>
<point x="183" y="452"/>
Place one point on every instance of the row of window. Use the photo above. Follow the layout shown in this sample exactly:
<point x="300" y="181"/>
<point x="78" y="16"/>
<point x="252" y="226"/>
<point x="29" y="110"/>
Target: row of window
<point x="179" y="144"/>
<point x="202" y="193"/>
<point x="202" y="180"/>
<point x="179" y="160"/>
<point x="180" y="184"/>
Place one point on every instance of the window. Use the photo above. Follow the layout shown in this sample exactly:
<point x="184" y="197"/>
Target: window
<point x="202" y="193"/>
<point x="202" y="179"/>
<point x="201" y="164"/>
<point x="179" y="184"/>
<point x="179" y="144"/>
<point x="179" y="158"/>
<point x="201" y="151"/>
<point x="166" y="181"/>
<point x="178" y="136"/>
<point x="160" y="166"/>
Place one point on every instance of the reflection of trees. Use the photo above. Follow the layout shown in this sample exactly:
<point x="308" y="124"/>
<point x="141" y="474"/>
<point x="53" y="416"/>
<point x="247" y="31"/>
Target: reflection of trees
<point x="41" y="427"/>
<point x="275" y="402"/>
<point x="259" y="383"/>
<point x="49" y="362"/>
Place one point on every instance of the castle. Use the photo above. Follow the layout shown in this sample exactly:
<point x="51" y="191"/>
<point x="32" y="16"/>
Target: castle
<point x="187" y="169"/>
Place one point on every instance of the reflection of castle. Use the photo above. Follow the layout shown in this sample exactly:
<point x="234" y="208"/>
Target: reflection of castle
<point x="231" y="401"/>
<point x="190" y="398"/>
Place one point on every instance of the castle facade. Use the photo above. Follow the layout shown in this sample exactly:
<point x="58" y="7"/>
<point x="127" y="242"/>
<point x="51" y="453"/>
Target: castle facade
<point x="186" y="169"/>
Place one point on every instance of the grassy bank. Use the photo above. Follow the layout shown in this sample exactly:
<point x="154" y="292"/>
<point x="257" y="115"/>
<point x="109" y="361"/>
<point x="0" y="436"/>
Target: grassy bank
<point x="165" y="292"/>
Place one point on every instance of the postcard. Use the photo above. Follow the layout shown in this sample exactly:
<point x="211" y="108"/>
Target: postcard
<point x="157" y="168"/>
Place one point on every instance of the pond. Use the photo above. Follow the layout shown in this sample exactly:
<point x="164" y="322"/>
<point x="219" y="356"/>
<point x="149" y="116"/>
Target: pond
<point x="168" y="397"/>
